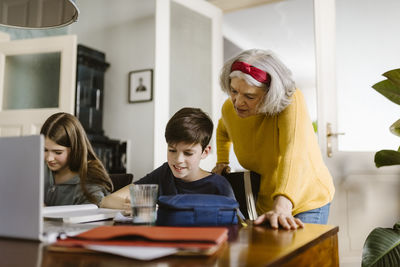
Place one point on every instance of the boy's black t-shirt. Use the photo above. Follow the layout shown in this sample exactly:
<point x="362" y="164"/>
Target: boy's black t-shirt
<point x="170" y="185"/>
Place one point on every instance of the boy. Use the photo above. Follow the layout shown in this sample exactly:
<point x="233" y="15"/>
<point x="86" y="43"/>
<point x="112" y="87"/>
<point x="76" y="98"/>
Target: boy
<point x="188" y="134"/>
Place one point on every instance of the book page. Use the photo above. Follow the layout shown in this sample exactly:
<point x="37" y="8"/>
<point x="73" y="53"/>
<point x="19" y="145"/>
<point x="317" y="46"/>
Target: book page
<point x="141" y="253"/>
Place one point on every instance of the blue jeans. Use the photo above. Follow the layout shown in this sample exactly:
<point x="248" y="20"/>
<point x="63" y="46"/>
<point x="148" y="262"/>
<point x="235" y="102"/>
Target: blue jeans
<point x="318" y="216"/>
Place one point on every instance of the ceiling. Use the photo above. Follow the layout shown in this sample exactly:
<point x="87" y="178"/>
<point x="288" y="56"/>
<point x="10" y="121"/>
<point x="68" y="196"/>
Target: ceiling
<point x="272" y="24"/>
<point x="234" y="5"/>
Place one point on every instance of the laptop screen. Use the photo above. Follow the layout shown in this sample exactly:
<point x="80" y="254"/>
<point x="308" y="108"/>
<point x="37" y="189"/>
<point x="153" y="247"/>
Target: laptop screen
<point x="21" y="186"/>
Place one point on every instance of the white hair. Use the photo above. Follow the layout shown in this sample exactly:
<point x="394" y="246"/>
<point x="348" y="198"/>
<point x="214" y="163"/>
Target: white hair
<point x="281" y="87"/>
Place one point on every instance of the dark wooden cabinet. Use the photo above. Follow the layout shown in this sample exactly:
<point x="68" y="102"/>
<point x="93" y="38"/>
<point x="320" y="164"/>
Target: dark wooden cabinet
<point x="111" y="152"/>
<point x="91" y="66"/>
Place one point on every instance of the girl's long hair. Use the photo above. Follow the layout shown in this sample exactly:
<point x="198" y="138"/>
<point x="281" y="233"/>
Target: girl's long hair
<point x="65" y="130"/>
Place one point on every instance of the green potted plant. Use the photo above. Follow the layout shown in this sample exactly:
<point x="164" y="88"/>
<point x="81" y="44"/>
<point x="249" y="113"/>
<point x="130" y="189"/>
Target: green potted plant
<point x="382" y="246"/>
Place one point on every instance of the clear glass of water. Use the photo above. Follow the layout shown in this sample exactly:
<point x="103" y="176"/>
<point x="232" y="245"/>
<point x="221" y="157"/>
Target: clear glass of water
<point x="143" y="202"/>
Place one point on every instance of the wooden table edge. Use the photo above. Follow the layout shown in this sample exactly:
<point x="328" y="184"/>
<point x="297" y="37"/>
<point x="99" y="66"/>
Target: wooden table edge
<point x="281" y="261"/>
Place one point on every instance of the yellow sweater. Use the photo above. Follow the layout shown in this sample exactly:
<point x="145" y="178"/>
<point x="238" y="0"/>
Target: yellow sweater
<point x="283" y="149"/>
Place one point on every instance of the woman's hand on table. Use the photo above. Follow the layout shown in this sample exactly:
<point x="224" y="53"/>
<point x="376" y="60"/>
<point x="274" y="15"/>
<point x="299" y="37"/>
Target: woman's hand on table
<point x="221" y="168"/>
<point x="280" y="215"/>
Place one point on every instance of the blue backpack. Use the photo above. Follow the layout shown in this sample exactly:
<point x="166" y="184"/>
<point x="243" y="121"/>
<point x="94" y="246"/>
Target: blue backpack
<point x="196" y="210"/>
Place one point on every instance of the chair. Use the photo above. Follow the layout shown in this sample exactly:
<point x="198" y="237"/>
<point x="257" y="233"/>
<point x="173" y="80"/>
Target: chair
<point x="245" y="186"/>
<point x="121" y="179"/>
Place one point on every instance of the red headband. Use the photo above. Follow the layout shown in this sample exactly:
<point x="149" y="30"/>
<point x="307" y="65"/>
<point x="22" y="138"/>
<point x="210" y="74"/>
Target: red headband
<point x="256" y="73"/>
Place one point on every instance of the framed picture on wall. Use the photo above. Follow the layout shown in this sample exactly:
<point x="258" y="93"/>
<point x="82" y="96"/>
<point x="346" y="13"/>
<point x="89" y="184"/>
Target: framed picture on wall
<point x="140" y="86"/>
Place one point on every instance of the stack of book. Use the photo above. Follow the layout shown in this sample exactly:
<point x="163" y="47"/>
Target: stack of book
<point x="78" y="213"/>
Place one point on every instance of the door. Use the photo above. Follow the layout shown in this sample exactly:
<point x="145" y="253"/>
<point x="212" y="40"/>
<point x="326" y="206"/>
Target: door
<point x="353" y="49"/>
<point x="188" y="61"/>
<point x="37" y="79"/>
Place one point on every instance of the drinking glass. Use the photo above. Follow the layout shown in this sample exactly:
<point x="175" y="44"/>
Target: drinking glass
<point x="143" y="202"/>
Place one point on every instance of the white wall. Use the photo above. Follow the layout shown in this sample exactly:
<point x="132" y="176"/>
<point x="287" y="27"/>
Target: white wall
<point x="189" y="40"/>
<point x="125" y="31"/>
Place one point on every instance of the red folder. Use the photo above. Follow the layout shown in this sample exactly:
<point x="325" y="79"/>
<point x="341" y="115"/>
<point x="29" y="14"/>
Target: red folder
<point x="198" y="240"/>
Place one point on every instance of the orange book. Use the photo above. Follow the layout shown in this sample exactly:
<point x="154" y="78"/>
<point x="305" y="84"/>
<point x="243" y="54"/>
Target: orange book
<point x="188" y="240"/>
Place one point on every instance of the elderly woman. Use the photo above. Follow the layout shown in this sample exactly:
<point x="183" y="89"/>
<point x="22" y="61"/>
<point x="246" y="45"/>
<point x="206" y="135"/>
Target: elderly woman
<point x="267" y="122"/>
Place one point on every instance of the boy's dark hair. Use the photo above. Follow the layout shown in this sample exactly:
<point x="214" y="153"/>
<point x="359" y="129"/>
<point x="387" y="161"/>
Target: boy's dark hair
<point x="191" y="126"/>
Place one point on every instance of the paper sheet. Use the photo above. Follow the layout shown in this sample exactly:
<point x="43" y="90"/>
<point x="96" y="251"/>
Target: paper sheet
<point x="140" y="253"/>
<point x="120" y="218"/>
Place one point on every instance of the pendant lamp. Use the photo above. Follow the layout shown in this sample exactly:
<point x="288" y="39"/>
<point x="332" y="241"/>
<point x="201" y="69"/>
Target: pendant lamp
<point x="38" y="14"/>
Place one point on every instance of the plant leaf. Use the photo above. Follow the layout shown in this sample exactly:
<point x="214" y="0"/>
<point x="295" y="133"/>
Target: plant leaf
<point x="381" y="248"/>
<point x="315" y="126"/>
<point x="387" y="158"/>
<point x="395" y="128"/>
<point x="388" y="89"/>
<point x="394" y="76"/>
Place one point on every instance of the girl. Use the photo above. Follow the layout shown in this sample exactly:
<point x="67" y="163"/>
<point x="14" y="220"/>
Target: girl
<point x="74" y="174"/>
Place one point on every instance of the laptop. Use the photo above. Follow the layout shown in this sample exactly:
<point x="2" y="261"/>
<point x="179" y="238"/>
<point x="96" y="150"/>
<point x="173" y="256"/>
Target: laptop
<point x="22" y="197"/>
<point x="21" y="187"/>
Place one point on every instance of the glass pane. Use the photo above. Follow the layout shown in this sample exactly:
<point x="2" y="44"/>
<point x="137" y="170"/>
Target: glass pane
<point x="367" y="46"/>
<point x="32" y="81"/>
<point x="190" y="59"/>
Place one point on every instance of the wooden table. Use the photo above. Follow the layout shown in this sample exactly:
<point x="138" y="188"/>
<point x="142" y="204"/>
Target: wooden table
<point x="315" y="245"/>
